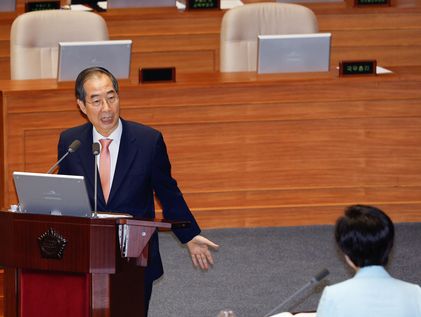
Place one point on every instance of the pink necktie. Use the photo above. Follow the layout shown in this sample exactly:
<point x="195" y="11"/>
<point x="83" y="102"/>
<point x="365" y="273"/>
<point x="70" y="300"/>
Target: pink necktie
<point x="105" y="167"/>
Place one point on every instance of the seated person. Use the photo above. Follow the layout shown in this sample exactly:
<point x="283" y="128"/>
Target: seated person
<point x="365" y="236"/>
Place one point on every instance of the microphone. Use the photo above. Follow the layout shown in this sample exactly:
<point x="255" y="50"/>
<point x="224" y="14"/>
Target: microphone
<point x="95" y="152"/>
<point x="95" y="148"/>
<point x="319" y="276"/>
<point x="315" y="279"/>
<point x="72" y="149"/>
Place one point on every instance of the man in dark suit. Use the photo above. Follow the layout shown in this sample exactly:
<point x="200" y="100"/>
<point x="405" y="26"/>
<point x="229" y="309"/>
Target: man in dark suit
<point x="133" y="165"/>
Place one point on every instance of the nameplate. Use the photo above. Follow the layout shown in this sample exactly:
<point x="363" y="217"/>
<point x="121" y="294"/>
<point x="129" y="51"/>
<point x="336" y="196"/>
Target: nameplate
<point x="353" y="68"/>
<point x="202" y="4"/>
<point x="42" y="5"/>
<point x="370" y="3"/>
<point x="154" y="75"/>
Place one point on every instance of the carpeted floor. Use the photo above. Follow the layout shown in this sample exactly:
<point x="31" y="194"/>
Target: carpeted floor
<point x="256" y="269"/>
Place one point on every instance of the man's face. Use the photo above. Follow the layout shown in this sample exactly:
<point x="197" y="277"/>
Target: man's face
<point x="101" y="106"/>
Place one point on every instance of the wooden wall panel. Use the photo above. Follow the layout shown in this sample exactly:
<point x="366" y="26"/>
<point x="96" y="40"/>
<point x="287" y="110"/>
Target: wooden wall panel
<point x="149" y="43"/>
<point x="187" y="62"/>
<point x="6" y="19"/>
<point x="368" y="19"/>
<point x="162" y="21"/>
<point x="377" y="37"/>
<point x="4" y="68"/>
<point x="272" y="149"/>
<point x="298" y="215"/>
<point x="35" y="155"/>
<point x="4" y="49"/>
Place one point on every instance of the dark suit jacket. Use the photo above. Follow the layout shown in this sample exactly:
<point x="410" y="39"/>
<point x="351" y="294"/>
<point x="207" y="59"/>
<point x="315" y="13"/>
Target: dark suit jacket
<point x="142" y="168"/>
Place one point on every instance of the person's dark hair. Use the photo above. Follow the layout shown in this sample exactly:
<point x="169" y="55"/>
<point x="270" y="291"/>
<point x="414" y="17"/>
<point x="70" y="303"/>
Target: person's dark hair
<point x="88" y="73"/>
<point x="365" y="234"/>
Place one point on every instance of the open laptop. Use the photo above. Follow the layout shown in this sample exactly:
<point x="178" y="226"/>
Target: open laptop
<point x="76" y="56"/>
<point x="293" y="53"/>
<point x="52" y="194"/>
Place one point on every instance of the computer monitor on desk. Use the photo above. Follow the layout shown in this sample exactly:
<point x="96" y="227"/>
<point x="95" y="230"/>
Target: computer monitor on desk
<point x="293" y="53"/>
<point x="76" y="56"/>
<point x="7" y="5"/>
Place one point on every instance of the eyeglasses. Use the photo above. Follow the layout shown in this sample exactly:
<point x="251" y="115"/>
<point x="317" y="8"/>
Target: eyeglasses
<point x="98" y="101"/>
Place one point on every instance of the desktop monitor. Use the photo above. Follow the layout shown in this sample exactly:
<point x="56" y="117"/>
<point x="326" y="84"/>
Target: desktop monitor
<point x="7" y="5"/>
<point x="293" y="53"/>
<point x="76" y="56"/>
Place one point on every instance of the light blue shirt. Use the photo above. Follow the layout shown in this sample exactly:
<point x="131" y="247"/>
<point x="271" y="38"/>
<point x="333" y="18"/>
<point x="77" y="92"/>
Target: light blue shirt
<point x="372" y="292"/>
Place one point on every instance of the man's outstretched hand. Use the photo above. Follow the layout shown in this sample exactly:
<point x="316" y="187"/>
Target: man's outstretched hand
<point x="200" y="253"/>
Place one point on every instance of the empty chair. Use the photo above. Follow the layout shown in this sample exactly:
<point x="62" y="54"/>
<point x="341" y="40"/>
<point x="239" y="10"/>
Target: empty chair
<point x="241" y="26"/>
<point x="34" y="38"/>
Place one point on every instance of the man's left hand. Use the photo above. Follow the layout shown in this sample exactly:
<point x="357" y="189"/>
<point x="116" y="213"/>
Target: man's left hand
<point x="199" y="251"/>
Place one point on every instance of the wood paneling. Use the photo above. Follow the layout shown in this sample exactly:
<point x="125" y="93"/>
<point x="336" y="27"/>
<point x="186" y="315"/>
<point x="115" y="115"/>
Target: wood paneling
<point x="6" y="19"/>
<point x="188" y="61"/>
<point x="90" y="249"/>
<point x="90" y="265"/>
<point x="252" y="150"/>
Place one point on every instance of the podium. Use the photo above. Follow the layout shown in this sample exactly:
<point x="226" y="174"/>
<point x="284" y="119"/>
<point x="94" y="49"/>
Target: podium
<point x="71" y="266"/>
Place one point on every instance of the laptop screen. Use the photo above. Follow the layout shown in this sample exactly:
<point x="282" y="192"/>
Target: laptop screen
<point x="52" y="194"/>
<point x="76" y="56"/>
<point x="293" y="53"/>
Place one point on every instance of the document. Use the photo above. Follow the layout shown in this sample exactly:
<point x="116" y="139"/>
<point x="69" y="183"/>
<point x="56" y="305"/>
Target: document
<point x="116" y="215"/>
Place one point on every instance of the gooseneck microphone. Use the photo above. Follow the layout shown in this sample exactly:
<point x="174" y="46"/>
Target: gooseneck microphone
<point x="95" y="152"/>
<point x="319" y="276"/>
<point x="72" y="149"/>
<point x="315" y="279"/>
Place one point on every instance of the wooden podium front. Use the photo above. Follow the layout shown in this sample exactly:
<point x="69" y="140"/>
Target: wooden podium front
<point x="71" y="266"/>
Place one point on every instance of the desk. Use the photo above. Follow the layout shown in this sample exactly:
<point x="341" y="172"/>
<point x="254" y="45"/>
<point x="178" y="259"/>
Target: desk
<point x="251" y="150"/>
<point x="190" y="40"/>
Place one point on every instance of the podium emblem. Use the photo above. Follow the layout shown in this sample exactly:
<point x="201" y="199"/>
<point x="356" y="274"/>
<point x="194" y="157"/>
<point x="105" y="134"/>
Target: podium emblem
<point x="52" y="244"/>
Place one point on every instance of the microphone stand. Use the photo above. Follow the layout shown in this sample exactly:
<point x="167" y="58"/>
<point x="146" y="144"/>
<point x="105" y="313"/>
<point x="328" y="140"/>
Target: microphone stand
<point x="95" y="152"/>
<point x="72" y="148"/>
<point x="288" y="299"/>
<point x="321" y="275"/>
<point x="58" y="162"/>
